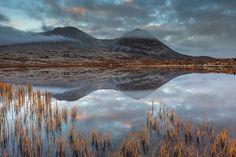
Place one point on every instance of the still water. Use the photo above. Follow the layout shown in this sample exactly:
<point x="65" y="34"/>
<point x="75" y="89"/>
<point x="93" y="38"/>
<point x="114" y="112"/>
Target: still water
<point x="195" y="97"/>
<point x="112" y="101"/>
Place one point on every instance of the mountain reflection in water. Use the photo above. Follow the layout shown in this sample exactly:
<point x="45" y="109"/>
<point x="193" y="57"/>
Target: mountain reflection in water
<point x="105" y="98"/>
<point x="83" y="81"/>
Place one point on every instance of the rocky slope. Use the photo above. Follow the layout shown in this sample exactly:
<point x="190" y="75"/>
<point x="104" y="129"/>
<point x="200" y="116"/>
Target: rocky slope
<point x="143" y="43"/>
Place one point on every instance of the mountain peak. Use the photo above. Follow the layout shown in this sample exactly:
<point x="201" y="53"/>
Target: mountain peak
<point x="139" y="34"/>
<point x="65" y="31"/>
<point x="73" y="33"/>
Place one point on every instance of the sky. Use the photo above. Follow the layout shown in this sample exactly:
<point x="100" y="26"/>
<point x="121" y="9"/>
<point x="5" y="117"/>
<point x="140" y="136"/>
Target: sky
<point x="196" y="27"/>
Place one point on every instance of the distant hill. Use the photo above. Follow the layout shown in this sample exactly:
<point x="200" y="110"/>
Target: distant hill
<point x="69" y="45"/>
<point x="136" y="42"/>
<point x="142" y="42"/>
<point x="73" y="33"/>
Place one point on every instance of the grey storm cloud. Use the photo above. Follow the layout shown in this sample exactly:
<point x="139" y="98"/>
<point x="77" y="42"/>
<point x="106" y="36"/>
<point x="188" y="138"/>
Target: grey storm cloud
<point x="197" y="27"/>
<point x="3" y="18"/>
<point x="45" y="27"/>
<point x="9" y="35"/>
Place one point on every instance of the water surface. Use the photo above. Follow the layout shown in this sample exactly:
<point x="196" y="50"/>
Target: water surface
<point x="117" y="100"/>
<point x="195" y="97"/>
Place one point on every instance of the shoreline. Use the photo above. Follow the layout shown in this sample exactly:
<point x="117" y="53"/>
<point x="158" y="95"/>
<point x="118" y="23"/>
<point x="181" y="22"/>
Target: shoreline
<point x="110" y="65"/>
<point x="224" y="69"/>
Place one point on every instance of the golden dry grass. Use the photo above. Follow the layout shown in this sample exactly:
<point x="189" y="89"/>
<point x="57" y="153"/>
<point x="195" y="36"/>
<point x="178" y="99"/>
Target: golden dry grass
<point x="35" y="129"/>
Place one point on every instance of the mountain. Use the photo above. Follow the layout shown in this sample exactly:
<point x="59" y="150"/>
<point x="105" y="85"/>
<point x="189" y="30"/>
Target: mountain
<point x="143" y="43"/>
<point x="69" y="45"/>
<point x="73" y="33"/>
<point x="139" y="34"/>
<point x="138" y="43"/>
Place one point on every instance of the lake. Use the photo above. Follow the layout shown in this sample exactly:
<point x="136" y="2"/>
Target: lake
<point x="194" y="97"/>
<point x="117" y="100"/>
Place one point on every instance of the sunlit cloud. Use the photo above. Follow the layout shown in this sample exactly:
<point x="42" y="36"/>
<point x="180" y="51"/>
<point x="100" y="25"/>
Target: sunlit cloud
<point x="128" y="1"/>
<point x="81" y="116"/>
<point x="76" y="10"/>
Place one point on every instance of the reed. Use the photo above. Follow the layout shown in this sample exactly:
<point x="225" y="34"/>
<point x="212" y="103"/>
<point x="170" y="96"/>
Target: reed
<point x="144" y="139"/>
<point x="39" y="127"/>
<point x="71" y="134"/>
<point x="232" y="149"/>
<point x="95" y="139"/>
<point x="73" y="113"/>
<point x="64" y="114"/>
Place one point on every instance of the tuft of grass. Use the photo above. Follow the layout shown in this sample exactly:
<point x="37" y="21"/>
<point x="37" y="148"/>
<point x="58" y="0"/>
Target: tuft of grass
<point x="144" y="139"/>
<point x="39" y="127"/>
<point x="73" y="113"/>
<point x="64" y="114"/>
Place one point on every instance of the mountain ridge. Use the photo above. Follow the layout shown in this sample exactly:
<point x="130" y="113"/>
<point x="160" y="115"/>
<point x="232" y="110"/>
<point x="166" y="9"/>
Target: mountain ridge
<point x="73" y="33"/>
<point x="69" y="30"/>
<point x="139" y="34"/>
<point x="137" y="41"/>
<point x="77" y="48"/>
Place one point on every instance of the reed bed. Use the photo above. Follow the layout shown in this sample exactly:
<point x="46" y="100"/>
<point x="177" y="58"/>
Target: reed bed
<point x="31" y="126"/>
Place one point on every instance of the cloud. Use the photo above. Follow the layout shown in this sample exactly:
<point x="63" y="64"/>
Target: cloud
<point x="3" y="18"/>
<point x="192" y="96"/>
<point x="128" y="1"/>
<point x="10" y="35"/>
<point x="59" y="11"/>
<point x="199" y="27"/>
<point x="46" y="27"/>
<point x="76" y="10"/>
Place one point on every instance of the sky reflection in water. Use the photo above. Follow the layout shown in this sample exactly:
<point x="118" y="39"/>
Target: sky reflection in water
<point x="192" y="96"/>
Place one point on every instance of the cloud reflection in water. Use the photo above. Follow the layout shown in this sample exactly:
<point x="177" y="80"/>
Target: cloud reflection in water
<point x="193" y="96"/>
